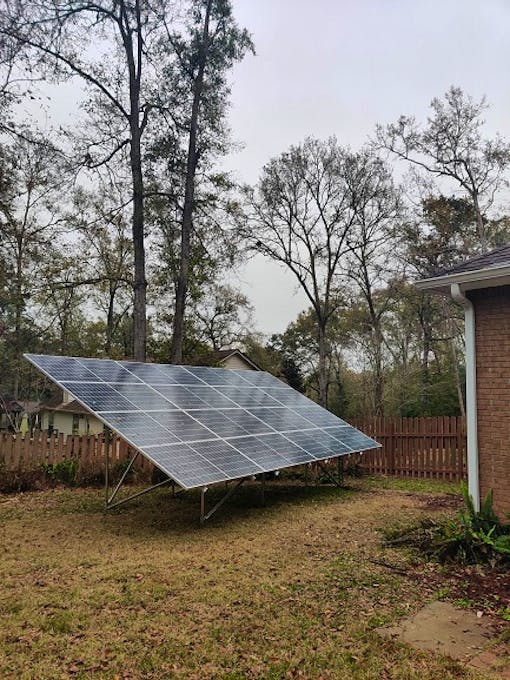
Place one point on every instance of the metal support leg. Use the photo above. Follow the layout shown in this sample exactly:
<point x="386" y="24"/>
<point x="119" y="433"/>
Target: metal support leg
<point x="328" y="474"/>
<point x="109" y="500"/>
<point x="107" y="438"/>
<point x="139" y="493"/>
<point x="203" y="491"/>
<point x="340" y="470"/>
<point x="124" y="475"/>
<point x="263" y="488"/>
<point x="204" y="516"/>
<point x="306" y="475"/>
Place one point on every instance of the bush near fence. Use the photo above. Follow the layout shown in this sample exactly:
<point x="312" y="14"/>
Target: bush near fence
<point x="42" y="459"/>
<point x="411" y="447"/>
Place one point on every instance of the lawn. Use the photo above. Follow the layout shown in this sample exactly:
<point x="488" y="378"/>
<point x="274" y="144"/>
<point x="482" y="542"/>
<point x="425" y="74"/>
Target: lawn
<point x="294" y="589"/>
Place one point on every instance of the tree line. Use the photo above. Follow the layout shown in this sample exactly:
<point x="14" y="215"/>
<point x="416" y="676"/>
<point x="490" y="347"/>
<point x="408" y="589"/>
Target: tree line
<point x="119" y="233"/>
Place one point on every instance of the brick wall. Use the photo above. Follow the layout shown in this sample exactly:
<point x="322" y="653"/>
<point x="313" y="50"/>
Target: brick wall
<point x="492" y="310"/>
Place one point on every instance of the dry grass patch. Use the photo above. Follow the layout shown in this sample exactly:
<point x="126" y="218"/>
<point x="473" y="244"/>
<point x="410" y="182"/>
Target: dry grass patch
<point x="290" y="590"/>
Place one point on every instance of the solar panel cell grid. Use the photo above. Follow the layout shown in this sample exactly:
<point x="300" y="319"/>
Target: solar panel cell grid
<point x="66" y="368"/>
<point x="352" y="437"/>
<point x="188" y="428"/>
<point x="146" y="398"/>
<point x="227" y="458"/>
<point x="187" y="465"/>
<point x="246" y="396"/>
<point x="177" y="375"/>
<point x="287" y="397"/>
<point x="219" y="423"/>
<point x="181" y="397"/>
<point x="261" y="453"/>
<point x="218" y="376"/>
<point x="201" y="425"/>
<point x="318" y="416"/>
<point x="260" y="379"/>
<point x="317" y="443"/>
<point x="249" y="422"/>
<point x="294" y="454"/>
<point x="148" y="373"/>
<point x="212" y="397"/>
<point x="139" y="429"/>
<point x="100" y="397"/>
<point x="281" y="419"/>
<point x="109" y="371"/>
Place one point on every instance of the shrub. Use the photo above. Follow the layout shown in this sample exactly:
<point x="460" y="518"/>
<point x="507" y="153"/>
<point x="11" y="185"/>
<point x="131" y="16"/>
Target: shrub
<point x="63" y="472"/>
<point x="471" y="537"/>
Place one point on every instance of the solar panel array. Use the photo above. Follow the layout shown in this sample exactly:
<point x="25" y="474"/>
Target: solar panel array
<point x="203" y="425"/>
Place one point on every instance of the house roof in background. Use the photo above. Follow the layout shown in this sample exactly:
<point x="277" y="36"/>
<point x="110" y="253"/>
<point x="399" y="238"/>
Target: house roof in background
<point x="223" y="354"/>
<point x="69" y="407"/>
<point x="482" y="271"/>
<point x="495" y="258"/>
<point x="22" y="406"/>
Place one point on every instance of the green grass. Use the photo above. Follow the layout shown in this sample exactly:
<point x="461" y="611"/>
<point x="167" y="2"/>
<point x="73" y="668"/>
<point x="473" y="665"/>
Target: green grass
<point x="282" y="591"/>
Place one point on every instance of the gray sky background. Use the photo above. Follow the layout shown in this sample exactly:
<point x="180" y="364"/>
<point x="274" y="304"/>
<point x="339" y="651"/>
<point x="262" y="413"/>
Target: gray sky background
<point x="342" y="66"/>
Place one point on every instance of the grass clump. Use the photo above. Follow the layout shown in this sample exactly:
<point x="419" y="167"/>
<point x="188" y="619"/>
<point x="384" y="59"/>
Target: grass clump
<point x="472" y="537"/>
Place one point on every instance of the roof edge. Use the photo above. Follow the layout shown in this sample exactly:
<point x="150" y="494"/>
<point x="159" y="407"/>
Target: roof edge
<point x="488" y="277"/>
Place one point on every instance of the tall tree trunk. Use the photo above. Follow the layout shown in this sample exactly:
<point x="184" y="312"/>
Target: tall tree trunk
<point x="19" y="305"/>
<point x="189" y="199"/>
<point x="139" y="282"/>
<point x="480" y="224"/>
<point x="110" y="322"/>
<point x="323" y="369"/>
<point x="424" y="316"/>
<point x="134" y="51"/>
<point x="378" y="371"/>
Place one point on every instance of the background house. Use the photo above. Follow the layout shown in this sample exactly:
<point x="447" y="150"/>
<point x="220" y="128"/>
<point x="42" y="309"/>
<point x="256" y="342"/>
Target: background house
<point x="64" y="414"/>
<point x="482" y="286"/>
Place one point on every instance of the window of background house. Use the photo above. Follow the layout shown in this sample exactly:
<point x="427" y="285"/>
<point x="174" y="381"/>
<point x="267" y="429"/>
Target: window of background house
<point x="76" y="423"/>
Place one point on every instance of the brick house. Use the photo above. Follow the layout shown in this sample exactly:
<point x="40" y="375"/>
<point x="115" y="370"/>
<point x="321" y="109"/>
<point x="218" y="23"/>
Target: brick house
<point x="481" y="286"/>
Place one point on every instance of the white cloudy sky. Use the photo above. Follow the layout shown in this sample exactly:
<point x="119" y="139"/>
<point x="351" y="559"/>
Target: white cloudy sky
<point x="341" y="66"/>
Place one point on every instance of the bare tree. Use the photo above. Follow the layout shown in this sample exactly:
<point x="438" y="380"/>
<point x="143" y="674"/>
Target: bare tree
<point x="451" y="146"/>
<point x="194" y="103"/>
<point x="372" y="258"/>
<point x="301" y="214"/>
<point x="224" y="317"/>
<point x="29" y="218"/>
<point x="54" y="38"/>
<point x="107" y="251"/>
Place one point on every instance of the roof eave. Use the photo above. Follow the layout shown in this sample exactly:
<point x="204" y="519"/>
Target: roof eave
<point x="470" y="280"/>
<point x="243" y="356"/>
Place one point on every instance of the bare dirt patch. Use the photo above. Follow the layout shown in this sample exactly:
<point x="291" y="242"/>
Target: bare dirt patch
<point x="436" y="502"/>
<point x="442" y="628"/>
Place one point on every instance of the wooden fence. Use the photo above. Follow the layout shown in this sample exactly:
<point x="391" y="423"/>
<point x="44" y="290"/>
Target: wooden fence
<point x="32" y="452"/>
<point x="411" y="447"/>
<point x="416" y="447"/>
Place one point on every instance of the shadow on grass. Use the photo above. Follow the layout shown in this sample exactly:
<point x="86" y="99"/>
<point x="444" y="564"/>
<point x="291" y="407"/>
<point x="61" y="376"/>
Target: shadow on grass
<point x="161" y="512"/>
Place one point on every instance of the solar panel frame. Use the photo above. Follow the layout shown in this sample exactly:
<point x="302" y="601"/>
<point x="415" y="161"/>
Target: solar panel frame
<point x="277" y="433"/>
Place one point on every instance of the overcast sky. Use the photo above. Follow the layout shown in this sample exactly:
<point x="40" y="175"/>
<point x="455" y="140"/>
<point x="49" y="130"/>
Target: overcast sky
<point x="341" y="66"/>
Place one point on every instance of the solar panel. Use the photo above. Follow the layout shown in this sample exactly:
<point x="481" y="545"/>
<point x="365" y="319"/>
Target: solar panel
<point x="204" y="425"/>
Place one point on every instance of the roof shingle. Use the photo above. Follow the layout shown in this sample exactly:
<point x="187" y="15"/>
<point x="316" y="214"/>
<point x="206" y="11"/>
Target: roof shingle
<point x="496" y="258"/>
